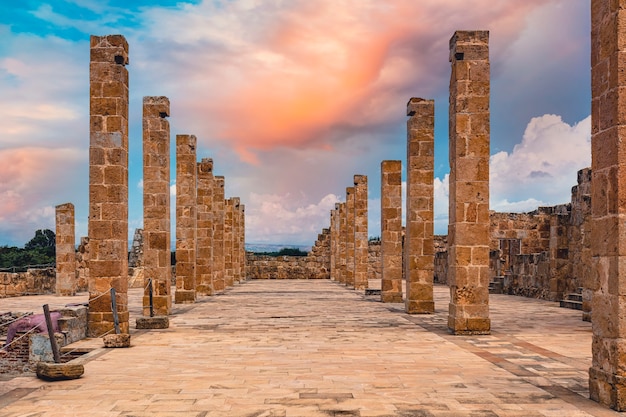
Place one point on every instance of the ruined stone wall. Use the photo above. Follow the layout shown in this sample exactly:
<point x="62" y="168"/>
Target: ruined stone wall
<point x="31" y="282"/>
<point x="541" y="254"/>
<point x="375" y="260"/>
<point x="316" y="265"/>
<point x="530" y="276"/>
<point x="284" y="267"/>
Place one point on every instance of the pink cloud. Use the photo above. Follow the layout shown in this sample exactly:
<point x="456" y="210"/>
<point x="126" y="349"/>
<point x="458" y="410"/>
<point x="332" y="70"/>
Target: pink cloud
<point x="290" y="73"/>
<point x="34" y="180"/>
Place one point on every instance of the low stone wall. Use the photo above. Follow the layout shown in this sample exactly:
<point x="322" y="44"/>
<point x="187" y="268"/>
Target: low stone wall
<point x="284" y="267"/>
<point x="530" y="276"/>
<point x="33" y="281"/>
<point x="375" y="262"/>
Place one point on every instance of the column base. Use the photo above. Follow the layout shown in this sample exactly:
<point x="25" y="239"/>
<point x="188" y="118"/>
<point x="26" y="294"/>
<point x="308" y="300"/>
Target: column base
<point x="391" y="297"/>
<point x="419" y="307"/>
<point x="204" y="290"/>
<point x="607" y="389"/>
<point x="469" y="326"/>
<point x="161" y="304"/>
<point x="185" y="296"/>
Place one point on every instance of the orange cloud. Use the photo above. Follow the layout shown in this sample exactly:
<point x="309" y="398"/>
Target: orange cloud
<point x="287" y="74"/>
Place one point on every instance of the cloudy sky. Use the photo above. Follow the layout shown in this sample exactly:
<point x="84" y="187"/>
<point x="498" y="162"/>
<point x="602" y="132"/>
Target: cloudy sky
<point x="290" y="98"/>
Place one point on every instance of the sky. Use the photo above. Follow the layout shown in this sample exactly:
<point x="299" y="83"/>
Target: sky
<point x="291" y="99"/>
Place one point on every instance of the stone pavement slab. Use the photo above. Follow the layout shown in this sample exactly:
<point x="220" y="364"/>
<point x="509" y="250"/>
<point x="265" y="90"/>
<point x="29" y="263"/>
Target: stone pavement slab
<point x="315" y="348"/>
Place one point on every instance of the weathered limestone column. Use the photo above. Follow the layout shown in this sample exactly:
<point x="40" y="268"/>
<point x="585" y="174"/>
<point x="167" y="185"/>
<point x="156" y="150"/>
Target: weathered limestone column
<point x="219" y="283"/>
<point x="418" y="241"/>
<point x="242" y="242"/>
<point x="186" y="219"/>
<point x="156" y="205"/>
<point x="65" y="250"/>
<point x="204" y="230"/>
<point x="108" y="183"/>
<point x="342" y="271"/>
<point x="361" y="252"/>
<point x="229" y="276"/>
<point x="468" y="230"/>
<point x="607" y="375"/>
<point x="391" y="231"/>
<point x="350" y="237"/>
<point x="236" y="239"/>
<point x="334" y="233"/>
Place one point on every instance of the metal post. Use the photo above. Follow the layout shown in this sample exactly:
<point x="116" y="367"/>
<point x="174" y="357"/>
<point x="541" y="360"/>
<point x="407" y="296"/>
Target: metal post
<point x="150" y="295"/>
<point x="116" y="321"/>
<point x="53" y="341"/>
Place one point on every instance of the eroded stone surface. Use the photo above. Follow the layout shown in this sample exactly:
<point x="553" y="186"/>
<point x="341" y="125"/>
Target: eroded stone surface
<point x="418" y="246"/>
<point x="59" y="371"/>
<point x="66" y="283"/>
<point x="607" y="376"/>
<point x="108" y="182"/>
<point x="468" y="230"/>
<point x="186" y="219"/>
<point x="391" y="231"/>
<point x="156" y="204"/>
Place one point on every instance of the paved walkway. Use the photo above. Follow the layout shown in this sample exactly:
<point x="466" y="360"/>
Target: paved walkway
<point x="315" y="348"/>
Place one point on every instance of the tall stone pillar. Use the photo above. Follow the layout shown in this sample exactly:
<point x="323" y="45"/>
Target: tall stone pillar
<point x="468" y="233"/>
<point x="156" y="205"/>
<point x="66" y="282"/>
<point x="229" y="277"/>
<point x="334" y="234"/>
<point x="418" y="241"/>
<point x="391" y="231"/>
<point x="361" y="251"/>
<point x="186" y="219"/>
<point x="349" y="237"/>
<point x="108" y="183"/>
<point x="236" y="239"/>
<point x="607" y="375"/>
<point x="204" y="229"/>
<point x="242" y="242"/>
<point x="219" y="283"/>
<point x="342" y="241"/>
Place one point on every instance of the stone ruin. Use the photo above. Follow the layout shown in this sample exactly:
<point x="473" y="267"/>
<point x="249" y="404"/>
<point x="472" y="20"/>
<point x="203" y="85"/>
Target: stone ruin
<point x="576" y="245"/>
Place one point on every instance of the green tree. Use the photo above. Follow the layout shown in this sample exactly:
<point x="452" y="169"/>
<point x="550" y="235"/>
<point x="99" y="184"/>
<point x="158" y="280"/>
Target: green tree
<point x="44" y="238"/>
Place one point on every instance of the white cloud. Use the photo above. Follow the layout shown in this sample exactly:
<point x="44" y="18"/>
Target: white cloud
<point x="442" y="192"/>
<point x="542" y="168"/>
<point x="540" y="171"/>
<point x="284" y="219"/>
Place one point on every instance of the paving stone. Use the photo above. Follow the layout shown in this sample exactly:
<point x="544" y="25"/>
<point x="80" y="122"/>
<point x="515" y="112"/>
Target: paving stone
<point x="315" y="348"/>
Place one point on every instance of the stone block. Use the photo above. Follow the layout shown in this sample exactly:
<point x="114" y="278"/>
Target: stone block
<point x="156" y="322"/>
<point x="121" y="340"/>
<point x="59" y="371"/>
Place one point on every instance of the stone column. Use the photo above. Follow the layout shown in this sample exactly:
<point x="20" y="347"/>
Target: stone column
<point x="418" y="243"/>
<point x="242" y="242"/>
<point x="391" y="231"/>
<point x="219" y="283"/>
<point x="65" y="250"/>
<point x="156" y="205"/>
<point x="349" y="237"/>
<point x="186" y="219"/>
<point x="334" y="234"/>
<point x="468" y="233"/>
<point x="607" y="375"/>
<point x="361" y="260"/>
<point x="204" y="230"/>
<point x="229" y="277"/>
<point x="236" y="240"/>
<point x="108" y="183"/>
<point x="342" y="242"/>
